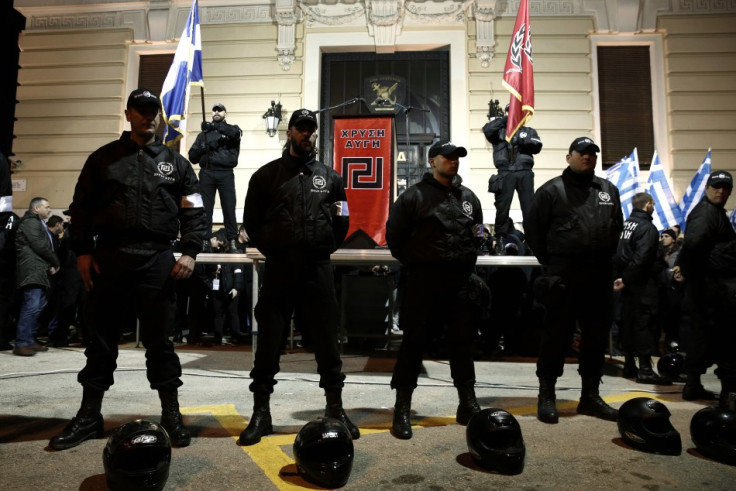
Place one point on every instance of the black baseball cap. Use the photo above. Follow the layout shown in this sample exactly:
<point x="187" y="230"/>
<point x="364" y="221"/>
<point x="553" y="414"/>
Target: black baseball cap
<point x="219" y="107"/>
<point x="720" y="177"/>
<point x="143" y="97"/>
<point x="581" y="144"/>
<point x="444" y="148"/>
<point x="301" y="115"/>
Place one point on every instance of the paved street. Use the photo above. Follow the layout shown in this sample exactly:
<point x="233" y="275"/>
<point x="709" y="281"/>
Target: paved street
<point x="39" y="394"/>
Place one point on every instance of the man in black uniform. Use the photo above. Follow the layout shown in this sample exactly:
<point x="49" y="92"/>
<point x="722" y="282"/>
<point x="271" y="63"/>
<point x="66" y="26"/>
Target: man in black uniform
<point x="573" y="228"/>
<point x="133" y="197"/>
<point x="434" y="229"/>
<point x="8" y="225"/>
<point x="637" y="270"/>
<point x="216" y="150"/>
<point x="707" y="261"/>
<point x="514" y="161"/>
<point x="296" y="214"/>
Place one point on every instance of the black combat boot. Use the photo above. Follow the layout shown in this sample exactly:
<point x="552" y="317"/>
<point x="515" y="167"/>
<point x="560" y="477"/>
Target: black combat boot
<point x="591" y="403"/>
<point x="694" y="390"/>
<point x="334" y="410"/>
<point x="85" y="425"/>
<point x="171" y="419"/>
<point x="468" y="405"/>
<point x="260" y="423"/>
<point x="546" y="408"/>
<point x="630" y="370"/>
<point x="401" y="427"/>
<point x="647" y="375"/>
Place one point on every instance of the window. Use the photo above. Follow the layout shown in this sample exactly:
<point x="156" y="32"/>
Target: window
<point x="152" y="72"/>
<point x="625" y="102"/>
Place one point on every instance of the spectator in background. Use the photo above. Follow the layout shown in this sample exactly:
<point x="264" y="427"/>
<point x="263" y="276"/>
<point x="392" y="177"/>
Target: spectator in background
<point x="637" y="271"/>
<point x="36" y="263"/>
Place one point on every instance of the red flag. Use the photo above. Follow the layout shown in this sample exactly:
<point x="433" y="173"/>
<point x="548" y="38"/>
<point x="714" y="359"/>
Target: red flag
<point x="518" y="74"/>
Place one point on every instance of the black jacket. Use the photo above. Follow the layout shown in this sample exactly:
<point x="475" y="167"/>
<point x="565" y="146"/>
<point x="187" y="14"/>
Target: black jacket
<point x="433" y="225"/>
<point x="636" y="260"/>
<point x="137" y="197"/>
<point x="296" y="204"/>
<point x="709" y="248"/>
<point x="574" y="218"/>
<point x="221" y="149"/>
<point x="517" y="154"/>
<point x="35" y="255"/>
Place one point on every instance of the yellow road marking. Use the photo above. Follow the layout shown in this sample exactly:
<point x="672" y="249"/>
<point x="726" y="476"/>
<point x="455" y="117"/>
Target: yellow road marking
<point x="269" y="456"/>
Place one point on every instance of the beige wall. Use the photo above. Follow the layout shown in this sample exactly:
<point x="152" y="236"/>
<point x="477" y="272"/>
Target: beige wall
<point x="71" y="95"/>
<point x="701" y="73"/>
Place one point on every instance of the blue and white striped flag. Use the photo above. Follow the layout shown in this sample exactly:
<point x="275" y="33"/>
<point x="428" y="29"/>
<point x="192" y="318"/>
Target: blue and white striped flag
<point x="733" y="218"/>
<point x="185" y="71"/>
<point x="696" y="190"/>
<point x="666" y="210"/>
<point x="625" y="175"/>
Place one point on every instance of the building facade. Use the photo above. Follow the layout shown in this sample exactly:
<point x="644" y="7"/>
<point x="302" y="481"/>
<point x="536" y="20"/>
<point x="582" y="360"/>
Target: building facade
<point x="79" y="59"/>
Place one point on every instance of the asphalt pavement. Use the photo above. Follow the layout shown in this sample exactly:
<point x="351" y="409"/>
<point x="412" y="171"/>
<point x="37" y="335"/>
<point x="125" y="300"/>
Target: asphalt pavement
<point x="40" y="394"/>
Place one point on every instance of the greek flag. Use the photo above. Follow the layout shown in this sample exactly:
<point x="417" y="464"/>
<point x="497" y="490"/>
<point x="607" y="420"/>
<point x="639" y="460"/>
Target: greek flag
<point x="666" y="210"/>
<point x="696" y="190"/>
<point x="733" y="218"/>
<point x="185" y="71"/>
<point x="625" y="175"/>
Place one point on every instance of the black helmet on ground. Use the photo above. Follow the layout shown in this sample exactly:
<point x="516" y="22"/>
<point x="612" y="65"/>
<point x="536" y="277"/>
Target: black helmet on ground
<point x="323" y="451"/>
<point x="495" y="441"/>
<point x="671" y="365"/>
<point x="713" y="431"/>
<point x="645" y="424"/>
<point x="137" y="457"/>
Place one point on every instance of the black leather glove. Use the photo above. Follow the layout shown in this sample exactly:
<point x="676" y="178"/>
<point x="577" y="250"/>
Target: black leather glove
<point x="207" y="126"/>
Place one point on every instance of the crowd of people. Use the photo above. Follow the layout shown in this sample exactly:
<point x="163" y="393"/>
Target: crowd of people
<point x="112" y="266"/>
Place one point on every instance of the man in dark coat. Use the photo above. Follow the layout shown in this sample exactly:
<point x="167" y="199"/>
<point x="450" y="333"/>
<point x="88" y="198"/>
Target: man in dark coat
<point x="637" y="272"/>
<point x="707" y="262"/>
<point x="132" y="200"/>
<point x="573" y="228"/>
<point x="514" y="161"/>
<point x="434" y="229"/>
<point x="36" y="261"/>
<point x="296" y="214"/>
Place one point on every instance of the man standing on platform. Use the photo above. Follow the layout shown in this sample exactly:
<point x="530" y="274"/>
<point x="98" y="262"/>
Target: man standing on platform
<point x="216" y="150"/>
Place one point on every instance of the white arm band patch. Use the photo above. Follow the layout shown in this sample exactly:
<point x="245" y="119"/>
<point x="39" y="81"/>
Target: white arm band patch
<point x="6" y="203"/>
<point x="192" y="201"/>
<point x="340" y="209"/>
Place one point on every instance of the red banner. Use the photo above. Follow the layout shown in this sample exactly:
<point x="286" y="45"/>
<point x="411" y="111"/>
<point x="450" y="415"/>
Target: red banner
<point x="363" y="155"/>
<point x="518" y="74"/>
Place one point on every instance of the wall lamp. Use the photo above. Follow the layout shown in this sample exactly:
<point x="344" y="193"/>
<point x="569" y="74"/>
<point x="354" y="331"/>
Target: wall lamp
<point x="273" y="118"/>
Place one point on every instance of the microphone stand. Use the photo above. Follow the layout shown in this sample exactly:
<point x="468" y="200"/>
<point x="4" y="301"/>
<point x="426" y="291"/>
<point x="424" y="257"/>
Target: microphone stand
<point x="406" y="109"/>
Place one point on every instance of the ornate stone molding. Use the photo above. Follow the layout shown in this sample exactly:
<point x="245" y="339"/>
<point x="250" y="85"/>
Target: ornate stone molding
<point x="286" y="18"/>
<point x="484" y="13"/>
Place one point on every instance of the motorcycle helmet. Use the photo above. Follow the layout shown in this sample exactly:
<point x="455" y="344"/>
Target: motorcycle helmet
<point x="495" y="442"/>
<point x="323" y="450"/>
<point x="713" y="431"/>
<point x="137" y="457"/>
<point x="645" y="424"/>
<point x="670" y="365"/>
